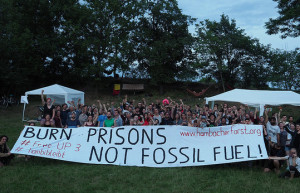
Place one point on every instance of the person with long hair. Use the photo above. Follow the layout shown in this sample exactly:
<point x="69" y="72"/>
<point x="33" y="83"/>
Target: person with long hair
<point x="5" y="155"/>
<point x="90" y="122"/>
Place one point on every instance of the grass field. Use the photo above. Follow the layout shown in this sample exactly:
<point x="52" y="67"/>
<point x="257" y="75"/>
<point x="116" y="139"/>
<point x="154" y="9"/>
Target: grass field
<point x="46" y="175"/>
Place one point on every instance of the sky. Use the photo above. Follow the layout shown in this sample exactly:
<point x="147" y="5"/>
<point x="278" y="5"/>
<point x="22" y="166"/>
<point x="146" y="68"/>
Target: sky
<point x="249" y="15"/>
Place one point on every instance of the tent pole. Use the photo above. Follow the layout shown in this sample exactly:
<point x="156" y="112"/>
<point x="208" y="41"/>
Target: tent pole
<point x="212" y="104"/>
<point x="24" y="111"/>
<point x="261" y="109"/>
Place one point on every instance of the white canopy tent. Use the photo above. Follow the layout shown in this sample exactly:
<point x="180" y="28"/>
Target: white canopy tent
<point x="258" y="98"/>
<point x="61" y="94"/>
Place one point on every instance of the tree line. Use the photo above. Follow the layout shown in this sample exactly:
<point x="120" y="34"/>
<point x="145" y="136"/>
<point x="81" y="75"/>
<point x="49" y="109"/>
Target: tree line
<point x="71" y="41"/>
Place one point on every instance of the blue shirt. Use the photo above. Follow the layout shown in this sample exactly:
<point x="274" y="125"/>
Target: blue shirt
<point x="101" y="120"/>
<point x="72" y="124"/>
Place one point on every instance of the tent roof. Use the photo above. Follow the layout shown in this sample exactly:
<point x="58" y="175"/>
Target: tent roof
<point x="256" y="97"/>
<point x="55" y="89"/>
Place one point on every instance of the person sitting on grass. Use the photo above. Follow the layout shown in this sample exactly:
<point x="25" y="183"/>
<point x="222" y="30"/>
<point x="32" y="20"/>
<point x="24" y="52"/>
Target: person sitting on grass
<point x="73" y="122"/>
<point x="293" y="170"/>
<point x="5" y="155"/>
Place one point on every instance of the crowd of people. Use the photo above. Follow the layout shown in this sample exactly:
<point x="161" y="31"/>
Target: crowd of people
<point x="281" y="133"/>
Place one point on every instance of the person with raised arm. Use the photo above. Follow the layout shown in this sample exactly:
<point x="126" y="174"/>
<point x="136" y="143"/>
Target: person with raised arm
<point x="272" y="128"/>
<point x="102" y="114"/>
<point x="49" y="109"/>
<point x="273" y="131"/>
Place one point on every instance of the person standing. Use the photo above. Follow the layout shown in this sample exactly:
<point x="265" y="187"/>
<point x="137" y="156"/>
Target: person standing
<point x="273" y="131"/>
<point x="49" y="109"/>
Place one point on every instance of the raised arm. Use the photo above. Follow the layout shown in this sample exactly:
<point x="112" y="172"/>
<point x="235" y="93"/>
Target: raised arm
<point x="172" y="112"/>
<point x="105" y="110"/>
<point x="42" y="98"/>
<point x="287" y="129"/>
<point x="78" y="103"/>
<point x="112" y="106"/>
<point x="126" y="98"/>
<point x="279" y="114"/>
<point x="247" y="109"/>
<point x="99" y="103"/>
<point x="53" y="102"/>
<point x="72" y="103"/>
<point x="255" y="113"/>
<point x="219" y="117"/>
<point x="181" y="102"/>
<point x="266" y="116"/>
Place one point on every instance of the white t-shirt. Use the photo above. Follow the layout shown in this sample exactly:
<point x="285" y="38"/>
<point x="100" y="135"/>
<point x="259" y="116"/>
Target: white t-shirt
<point x="290" y="160"/>
<point x="272" y="131"/>
<point x="158" y="118"/>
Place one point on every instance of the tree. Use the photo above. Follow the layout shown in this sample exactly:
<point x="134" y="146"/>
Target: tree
<point x="288" y="21"/>
<point x="113" y="28"/>
<point x="285" y="69"/>
<point x="41" y="41"/>
<point x="227" y="53"/>
<point x="164" y="42"/>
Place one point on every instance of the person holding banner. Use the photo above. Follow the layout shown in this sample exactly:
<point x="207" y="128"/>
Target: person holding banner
<point x="5" y="155"/>
<point x="293" y="164"/>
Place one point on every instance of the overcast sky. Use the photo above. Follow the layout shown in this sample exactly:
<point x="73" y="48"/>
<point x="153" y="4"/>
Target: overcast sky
<point x="250" y="15"/>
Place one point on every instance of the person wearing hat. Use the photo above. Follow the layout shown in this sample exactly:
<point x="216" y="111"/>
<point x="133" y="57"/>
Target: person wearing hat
<point x="5" y="155"/>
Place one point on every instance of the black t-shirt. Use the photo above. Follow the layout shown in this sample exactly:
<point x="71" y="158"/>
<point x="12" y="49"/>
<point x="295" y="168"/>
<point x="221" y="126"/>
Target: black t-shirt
<point x="48" y="111"/>
<point x="168" y="121"/>
<point x="64" y="116"/>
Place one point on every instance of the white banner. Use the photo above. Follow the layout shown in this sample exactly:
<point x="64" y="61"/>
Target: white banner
<point x="151" y="146"/>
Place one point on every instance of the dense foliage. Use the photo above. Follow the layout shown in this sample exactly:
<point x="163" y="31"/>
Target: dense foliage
<point x="74" y="41"/>
<point x="288" y="21"/>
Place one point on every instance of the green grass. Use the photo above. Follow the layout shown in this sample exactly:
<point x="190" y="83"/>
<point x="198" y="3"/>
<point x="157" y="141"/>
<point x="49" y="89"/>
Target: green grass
<point x="47" y="175"/>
